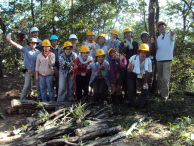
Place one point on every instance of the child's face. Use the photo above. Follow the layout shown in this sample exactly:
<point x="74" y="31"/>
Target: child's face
<point x="68" y="51"/>
<point x="128" y="35"/>
<point x="115" y="55"/>
<point x="100" y="59"/>
<point x="142" y="55"/>
<point x="46" y="48"/>
<point x="85" y="55"/>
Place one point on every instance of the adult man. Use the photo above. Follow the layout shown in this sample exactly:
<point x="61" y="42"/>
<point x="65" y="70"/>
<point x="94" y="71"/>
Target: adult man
<point x="139" y="69"/>
<point x="73" y="39"/>
<point x="164" y="56"/>
<point x="90" y="43"/>
<point x="57" y="51"/>
<point x="34" y="31"/>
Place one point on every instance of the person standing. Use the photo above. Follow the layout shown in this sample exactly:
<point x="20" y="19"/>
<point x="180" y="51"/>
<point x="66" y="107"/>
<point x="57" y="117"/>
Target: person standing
<point x="145" y="37"/>
<point x="164" y="57"/>
<point x="139" y="69"/>
<point x="82" y="73"/>
<point x="118" y="66"/>
<point x="73" y="39"/>
<point x="91" y="43"/>
<point x="30" y="54"/>
<point x="101" y="45"/>
<point x="66" y="79"/>
<point x="99" y="75"/>
<point x="57" y="51"/>
<point x="114" y="41"/>
<point x="129" y="48"/>
<point x="44" y="71"/>
<point x="34" y="31"/>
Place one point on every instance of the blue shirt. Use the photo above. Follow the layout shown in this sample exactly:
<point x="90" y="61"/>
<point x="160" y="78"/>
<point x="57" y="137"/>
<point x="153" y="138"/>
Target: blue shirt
<point x="105" y="48"/>
<point x="29" y="57"/>
<point x="112" y="45"/>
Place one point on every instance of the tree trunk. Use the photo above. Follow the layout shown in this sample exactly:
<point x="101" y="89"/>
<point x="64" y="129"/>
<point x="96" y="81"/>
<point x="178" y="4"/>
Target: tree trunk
<point x="32" y="12"/>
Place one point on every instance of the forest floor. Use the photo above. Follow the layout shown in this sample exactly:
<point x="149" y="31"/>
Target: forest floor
<point x="167" y="122"/>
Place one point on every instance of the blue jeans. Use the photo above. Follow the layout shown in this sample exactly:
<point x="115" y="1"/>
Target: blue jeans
<point x="65" y="88"/>
<point x="27" y="84"/>
<point x="46" y="83"/>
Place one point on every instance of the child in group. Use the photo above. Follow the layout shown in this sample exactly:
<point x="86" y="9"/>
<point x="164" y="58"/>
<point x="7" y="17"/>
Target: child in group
<point x="118" y="66"/>
<point x="30" y="54"/>
<point x="99" y="76"/>
<point x="44" y="71"/>
<point x="82" y="74"/>
<point x="114" y="42"/>
<point x="139" y="69"/>
<point x="66" y="80"/>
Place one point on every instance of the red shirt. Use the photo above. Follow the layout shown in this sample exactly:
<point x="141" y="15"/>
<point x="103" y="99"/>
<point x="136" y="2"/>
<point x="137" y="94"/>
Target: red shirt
<point x="82" y="68"/>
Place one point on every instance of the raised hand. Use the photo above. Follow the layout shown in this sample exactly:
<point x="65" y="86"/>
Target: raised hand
<point x="172" y="32"/>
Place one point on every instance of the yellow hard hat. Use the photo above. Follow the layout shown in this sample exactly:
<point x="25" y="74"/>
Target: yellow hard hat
<point x="160" y="23"/>
<point x="46" y="43"/>
<point x="100" y="52"/>
<point x="67" y="44"/>
<point x="115" y="31"/>
<point x="90" y="33"/>
<point x="110" y="51"/>
<point x="84" y="49"/>
<point x="101" y="35"/>
<point x="144" y="47"/>
<point x="127" y="30"/>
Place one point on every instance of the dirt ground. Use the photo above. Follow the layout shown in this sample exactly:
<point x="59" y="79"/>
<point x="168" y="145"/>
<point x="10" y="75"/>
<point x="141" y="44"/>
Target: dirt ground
<point x="10" y="88"/>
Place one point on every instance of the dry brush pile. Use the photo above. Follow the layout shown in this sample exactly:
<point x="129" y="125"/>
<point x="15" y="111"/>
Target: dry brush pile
<point x="68" y="124"/>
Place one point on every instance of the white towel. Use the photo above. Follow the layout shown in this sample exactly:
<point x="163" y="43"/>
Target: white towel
<point x="136" y="68"/>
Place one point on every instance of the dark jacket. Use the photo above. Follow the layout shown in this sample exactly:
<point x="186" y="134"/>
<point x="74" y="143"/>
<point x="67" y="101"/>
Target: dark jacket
<point x="128" y="52"/>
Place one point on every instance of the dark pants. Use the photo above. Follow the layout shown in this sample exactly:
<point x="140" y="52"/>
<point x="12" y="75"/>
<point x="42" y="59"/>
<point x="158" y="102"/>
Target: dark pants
<point x="132" y="82"/>
<point x="100" y="88"/>
<point x="82" y="83"/>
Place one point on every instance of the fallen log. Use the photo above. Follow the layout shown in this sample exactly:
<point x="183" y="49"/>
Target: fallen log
<point x="95" y="134"/>
<point x="10" y="110"/>
<point x="46" y="135"/>
<point x="30" y="104"/>
<point x="58" y="142"/>
<point x="89" y="129"/>
<point x="110" y="139"/>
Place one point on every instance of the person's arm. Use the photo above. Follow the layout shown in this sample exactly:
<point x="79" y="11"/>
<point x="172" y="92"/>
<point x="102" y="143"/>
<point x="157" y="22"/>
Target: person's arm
<point x="37" y="67"/>
<point x="51" y="58"/>
<point x="8" y="37"/>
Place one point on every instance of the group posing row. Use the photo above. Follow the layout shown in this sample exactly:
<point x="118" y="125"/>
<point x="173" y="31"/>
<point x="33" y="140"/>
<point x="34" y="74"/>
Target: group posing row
<point x="116" y="64"/>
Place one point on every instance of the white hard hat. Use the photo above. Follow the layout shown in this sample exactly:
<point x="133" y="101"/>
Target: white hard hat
<point x="34" y="29"/>
<point x="144" y="32"/>
<point x="73" y="36"/>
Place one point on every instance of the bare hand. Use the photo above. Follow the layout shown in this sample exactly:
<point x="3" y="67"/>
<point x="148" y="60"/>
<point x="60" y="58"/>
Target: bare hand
<point x="114" y="40"/>
<point x="172" y="32"/>
<point x="37" y="78"/>
<point x="49" y="56"/>
<point x="94" y="47"/>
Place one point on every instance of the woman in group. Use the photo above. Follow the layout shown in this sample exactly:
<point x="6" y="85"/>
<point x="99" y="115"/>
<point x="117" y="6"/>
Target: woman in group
<point x="82" y="73"/>
<point x="66" y="76"/>
<point x="114" y="41"/>
<point x="99" y="75"/>
<point x="44" y="71"/>
<point x="30" y="55"/>
<point x="118" y="66"/>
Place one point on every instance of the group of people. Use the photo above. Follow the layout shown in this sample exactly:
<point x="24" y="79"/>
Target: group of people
<point x="120" y="65"/>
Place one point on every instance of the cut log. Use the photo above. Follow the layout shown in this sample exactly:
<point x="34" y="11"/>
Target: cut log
<point x="30" y="104"/>
<point x="95" y="134"/>
<point x="46" y="135"/>
<point x="89" y="129"/>
<point x="99" y="112"/>
<point x="110" y="139"/>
